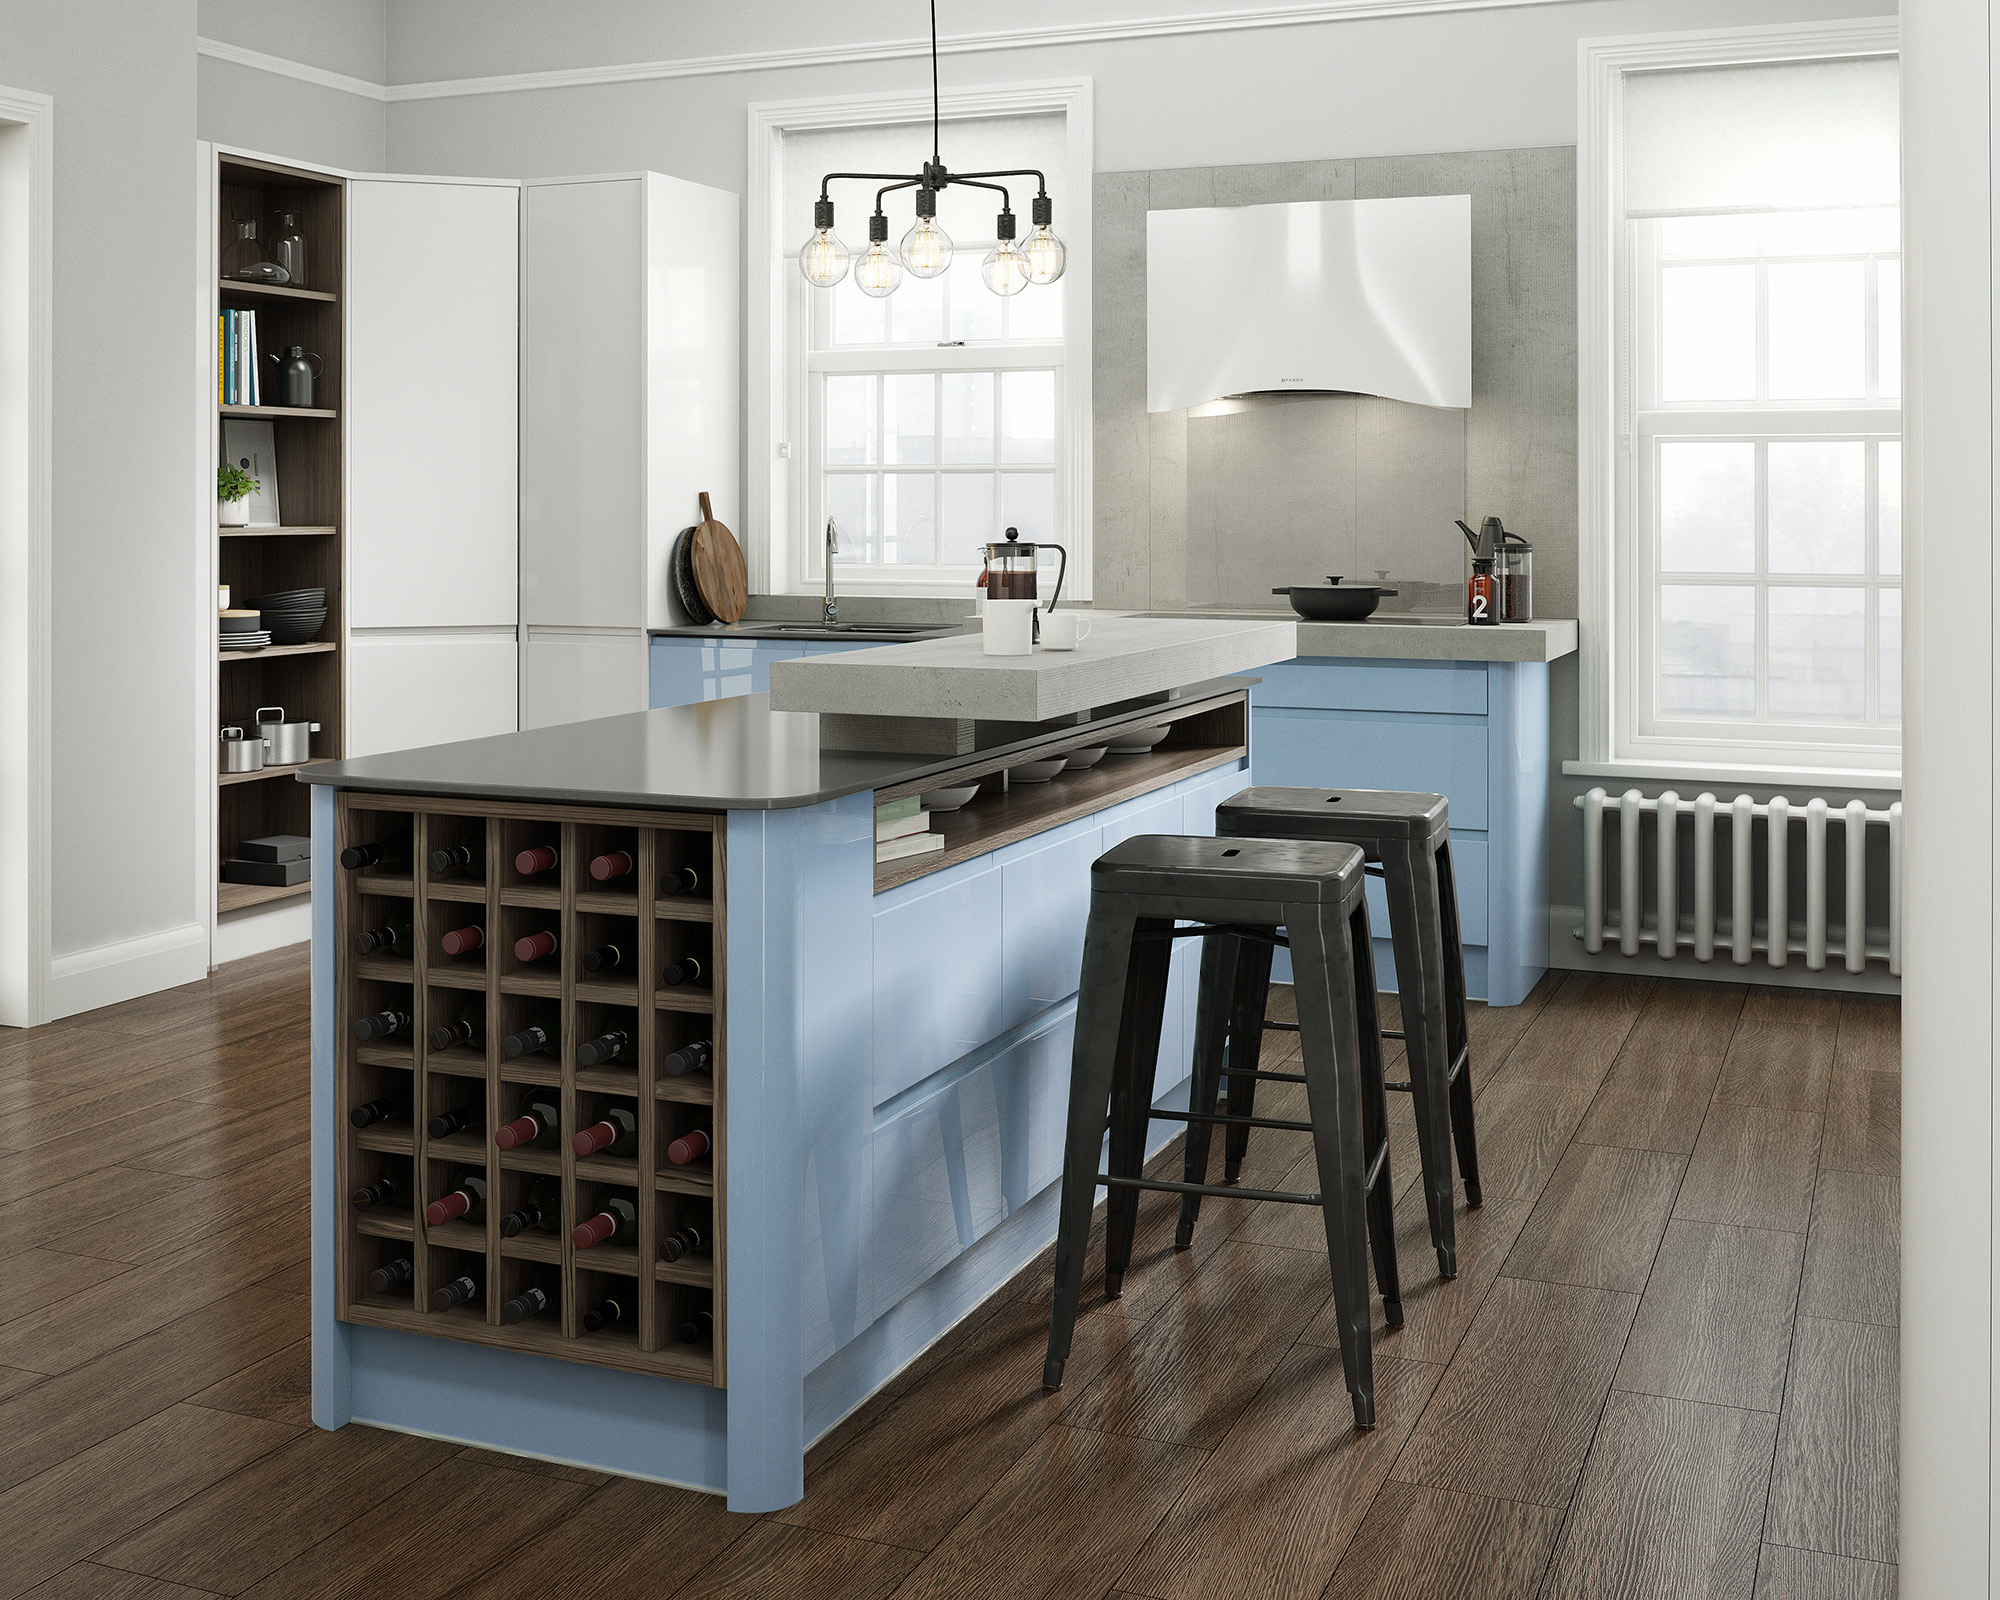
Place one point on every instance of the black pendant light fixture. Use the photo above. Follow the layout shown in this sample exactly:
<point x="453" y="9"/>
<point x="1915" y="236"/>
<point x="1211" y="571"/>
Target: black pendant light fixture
<point x="1009" y="266"/>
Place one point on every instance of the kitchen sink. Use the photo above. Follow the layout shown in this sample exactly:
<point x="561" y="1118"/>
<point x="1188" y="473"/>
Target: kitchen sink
<point x="861" y="629"/>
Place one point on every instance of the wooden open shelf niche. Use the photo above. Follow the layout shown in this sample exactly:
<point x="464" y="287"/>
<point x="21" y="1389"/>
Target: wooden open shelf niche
<point x="436" y="989"/>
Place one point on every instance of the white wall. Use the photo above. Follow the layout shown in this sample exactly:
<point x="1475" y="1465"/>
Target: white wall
<point x="256" y="110"/>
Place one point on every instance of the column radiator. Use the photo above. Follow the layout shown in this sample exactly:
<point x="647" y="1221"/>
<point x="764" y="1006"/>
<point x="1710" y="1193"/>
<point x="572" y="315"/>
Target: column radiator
<point x="1739" y="934"/>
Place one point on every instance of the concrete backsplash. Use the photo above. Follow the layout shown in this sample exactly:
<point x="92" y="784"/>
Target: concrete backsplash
<point x="1217" y="509"/>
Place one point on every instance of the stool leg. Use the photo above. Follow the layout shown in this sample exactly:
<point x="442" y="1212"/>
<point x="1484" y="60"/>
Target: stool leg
<point x="1219" y="956"/>
<point x="1457" y="1036"/>
<point x="1375" y="1119"/>
<point x="1330" y="1047"/>
<point x="1100" y="1005"/>
<point x="1133" y="1071"/>
<point x="1410" y="878"/>
<point x="1246" y="1048"/>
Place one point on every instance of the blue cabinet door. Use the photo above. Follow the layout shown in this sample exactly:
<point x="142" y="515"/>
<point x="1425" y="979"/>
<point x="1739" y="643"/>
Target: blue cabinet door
<point x="685" y="671"/>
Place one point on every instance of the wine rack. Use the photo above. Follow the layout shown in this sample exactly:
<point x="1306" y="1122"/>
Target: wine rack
<point x="504" y="992"/>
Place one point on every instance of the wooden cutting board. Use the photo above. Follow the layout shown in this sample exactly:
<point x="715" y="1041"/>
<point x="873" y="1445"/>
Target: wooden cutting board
<point x="719" y="572"/>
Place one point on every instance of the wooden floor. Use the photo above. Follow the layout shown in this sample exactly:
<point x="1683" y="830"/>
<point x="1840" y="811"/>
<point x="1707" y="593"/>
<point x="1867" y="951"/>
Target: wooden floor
<point x="1667" y="1369"/>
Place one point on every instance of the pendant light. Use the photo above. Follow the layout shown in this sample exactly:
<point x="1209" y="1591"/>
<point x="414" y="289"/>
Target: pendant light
<point x="878" y="271"/>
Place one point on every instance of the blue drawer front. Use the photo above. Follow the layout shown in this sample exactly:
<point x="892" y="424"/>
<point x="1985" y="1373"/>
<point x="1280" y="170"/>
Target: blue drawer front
<point x="686" y="671"/>
<point x="1344" y="684"/>
<point x="1468" y="864"/>
<point x="1337" y="750"/>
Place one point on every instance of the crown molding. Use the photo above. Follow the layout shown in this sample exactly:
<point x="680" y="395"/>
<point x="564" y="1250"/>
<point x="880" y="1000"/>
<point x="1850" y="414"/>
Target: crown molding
<point x="1194" y="22"/>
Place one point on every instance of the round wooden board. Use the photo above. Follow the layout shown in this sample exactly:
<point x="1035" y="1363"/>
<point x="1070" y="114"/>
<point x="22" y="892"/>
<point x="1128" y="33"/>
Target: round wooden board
<point x="717" y="562"/>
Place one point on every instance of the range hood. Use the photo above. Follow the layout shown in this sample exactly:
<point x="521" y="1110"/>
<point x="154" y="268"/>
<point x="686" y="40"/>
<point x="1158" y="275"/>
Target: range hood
<point x="1326" y="296"/>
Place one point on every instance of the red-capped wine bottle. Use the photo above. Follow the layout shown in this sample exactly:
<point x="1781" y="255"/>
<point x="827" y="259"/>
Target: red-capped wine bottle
<point x="539" y="1125"/>
<point x="689" y="1058"/>
<point x="698" y="1327"/>
<point x="391" y="1275"/>
<point x="607" y="1311"/>
<point x="391" y="855"/>
<point x="370" y="1112"/>
<point x="390" y="936"/>
<point x="540" y="1207"/>
<point x="686" y="970"/>
<point x="689" y="1239"/>
<point x="605" y="1047"/>
<point x="690" y="1146"/>
<point x="537" y="1037"/>
<point x="468" y="1033"/>
<point x="681" y="880"/>
<point x="616" y="1133"/>
<point x="535" y="946"/>
<point x="456" y="1120"/>
<point x="613" y="865"/>
<point x="454" y="861"/>
<point x="532" y="1301"/>
<point x="388" y="1023"/>
<point x="463" y="941"/>
<point x="605" y="958"/>
<point x="617" y="1222"/>
<point x="533" y="863"/>
<point x="467" y="1201"/>
<point x="460" y="1291"/>
<point x="389" y="1187"/>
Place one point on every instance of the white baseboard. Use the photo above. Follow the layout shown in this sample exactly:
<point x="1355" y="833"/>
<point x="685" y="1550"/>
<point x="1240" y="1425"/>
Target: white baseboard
<point x="255" y="929"/>
<point x="1567" y="954"/>
<point x="110" y="973"/>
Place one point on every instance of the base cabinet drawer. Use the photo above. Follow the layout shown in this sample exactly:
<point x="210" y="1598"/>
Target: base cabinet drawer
<point x="1340" y="750"/>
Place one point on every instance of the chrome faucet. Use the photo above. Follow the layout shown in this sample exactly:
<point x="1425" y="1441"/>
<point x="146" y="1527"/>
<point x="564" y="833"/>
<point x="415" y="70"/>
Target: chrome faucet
<point x="830" y="607"/>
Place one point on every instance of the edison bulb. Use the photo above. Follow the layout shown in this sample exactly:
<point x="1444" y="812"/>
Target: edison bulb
<point x="1005" y="269"/>
<point x="878" y="271"/>
<point x="1045" y="255"/>
<point x="823" y="259"/>
<point x="926" y="248"/>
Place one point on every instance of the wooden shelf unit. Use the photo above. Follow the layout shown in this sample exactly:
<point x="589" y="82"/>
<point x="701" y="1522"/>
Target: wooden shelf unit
<point x="435" y="989"/>
<point x="308" y="680"/>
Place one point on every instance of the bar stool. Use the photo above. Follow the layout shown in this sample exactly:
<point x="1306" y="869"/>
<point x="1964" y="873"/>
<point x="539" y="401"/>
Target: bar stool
<point x="1238" y="893"/>
<point x="1407" y="841"/>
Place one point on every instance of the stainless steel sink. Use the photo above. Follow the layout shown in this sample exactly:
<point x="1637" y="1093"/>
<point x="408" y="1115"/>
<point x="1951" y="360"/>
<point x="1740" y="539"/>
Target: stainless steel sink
<point x="862" y="629"/>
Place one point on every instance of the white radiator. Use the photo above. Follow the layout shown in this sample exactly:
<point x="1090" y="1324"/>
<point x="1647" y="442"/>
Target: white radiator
<point x="1740" y="933"/>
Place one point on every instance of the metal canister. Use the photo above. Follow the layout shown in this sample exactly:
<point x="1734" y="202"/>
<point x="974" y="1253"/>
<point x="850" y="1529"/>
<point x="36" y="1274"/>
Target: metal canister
<point x="240" y="754"/>
<point x="290" y="743"/>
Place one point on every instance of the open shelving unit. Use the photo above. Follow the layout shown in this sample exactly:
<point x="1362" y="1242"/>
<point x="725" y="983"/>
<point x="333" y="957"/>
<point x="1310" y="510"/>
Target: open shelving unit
<point x="505" y="995"/>
<point x="308" y="680"/>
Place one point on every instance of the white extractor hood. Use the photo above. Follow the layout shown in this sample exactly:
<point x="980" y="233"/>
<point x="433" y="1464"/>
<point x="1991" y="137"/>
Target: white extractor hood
<point x="1353" y="296"/>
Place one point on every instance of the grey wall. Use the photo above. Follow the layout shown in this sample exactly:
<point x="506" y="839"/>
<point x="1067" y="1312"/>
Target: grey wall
<point x="254" y="110"/>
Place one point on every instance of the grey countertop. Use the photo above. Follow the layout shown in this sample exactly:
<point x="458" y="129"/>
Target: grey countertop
<point x="1404" y="636"/>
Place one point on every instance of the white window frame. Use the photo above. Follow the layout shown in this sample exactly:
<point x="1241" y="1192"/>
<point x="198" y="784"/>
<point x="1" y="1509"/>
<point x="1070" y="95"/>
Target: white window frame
<point x="1614" y="573"/>
<point x="781" y="500"/>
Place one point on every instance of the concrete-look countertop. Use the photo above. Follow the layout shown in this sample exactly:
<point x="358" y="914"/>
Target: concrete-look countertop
<point x="1124" y="658"/>
<point x="1402" y="636"/>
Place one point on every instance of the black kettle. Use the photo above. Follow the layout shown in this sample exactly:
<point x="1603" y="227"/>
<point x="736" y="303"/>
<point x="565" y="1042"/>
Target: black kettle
<point x="296" y="371"/>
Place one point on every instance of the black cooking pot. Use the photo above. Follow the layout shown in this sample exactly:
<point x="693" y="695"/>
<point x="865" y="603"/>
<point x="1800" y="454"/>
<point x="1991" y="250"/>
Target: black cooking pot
<point x="1337" y="602"/>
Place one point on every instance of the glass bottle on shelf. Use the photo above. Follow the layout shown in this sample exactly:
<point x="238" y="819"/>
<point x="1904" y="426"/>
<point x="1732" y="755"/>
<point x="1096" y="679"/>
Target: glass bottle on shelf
<point x="288" y="248"/>
<point x="243" y="256"/>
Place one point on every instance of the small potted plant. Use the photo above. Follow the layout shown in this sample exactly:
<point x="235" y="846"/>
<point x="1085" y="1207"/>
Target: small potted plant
<point x="233" y="488"/>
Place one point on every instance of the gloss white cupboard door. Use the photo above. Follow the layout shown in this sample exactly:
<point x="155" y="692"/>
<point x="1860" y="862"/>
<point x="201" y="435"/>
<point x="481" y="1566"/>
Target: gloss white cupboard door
<point x="409" y="687"/>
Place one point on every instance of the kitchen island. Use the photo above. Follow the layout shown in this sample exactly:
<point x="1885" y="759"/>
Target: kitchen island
<point x="880" y="1052"/>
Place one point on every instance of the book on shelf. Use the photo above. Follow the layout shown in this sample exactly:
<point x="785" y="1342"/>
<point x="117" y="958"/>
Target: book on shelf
<point x="237" y="382"/>
<point x="911" y="844"/>
<point x="896" y="810"/>
<point x="901" y="827"/>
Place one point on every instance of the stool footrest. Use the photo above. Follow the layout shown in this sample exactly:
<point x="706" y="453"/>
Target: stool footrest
<point x="1402" y="1088"/>
<point x="1282" y="1126"/>
<point x="1218" y="930"/>
<point x="1282" y="1027"/>
<point x="1394" y="1033"/>
<point x="1258" y="1072"/>
<point x="1221" y="1192"/>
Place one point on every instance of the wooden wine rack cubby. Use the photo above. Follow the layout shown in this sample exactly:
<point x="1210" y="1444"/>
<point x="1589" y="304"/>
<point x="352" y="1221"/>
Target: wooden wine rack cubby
<point x="435" y="989"/>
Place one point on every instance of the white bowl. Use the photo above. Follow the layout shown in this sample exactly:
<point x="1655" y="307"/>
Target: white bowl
<point x="1080" y="759"/>
<point x="948" y="799"/>
<point x="1035" y="771"/>
<point x="1139" y="742"/>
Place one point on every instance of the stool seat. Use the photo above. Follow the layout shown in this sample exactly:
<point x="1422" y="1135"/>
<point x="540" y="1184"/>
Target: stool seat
<point x="1257" y="871"/>
<point x="1322" y="813"/>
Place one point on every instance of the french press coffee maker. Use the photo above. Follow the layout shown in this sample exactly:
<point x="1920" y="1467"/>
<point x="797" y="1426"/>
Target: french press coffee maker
<point x="1011" y="569"/>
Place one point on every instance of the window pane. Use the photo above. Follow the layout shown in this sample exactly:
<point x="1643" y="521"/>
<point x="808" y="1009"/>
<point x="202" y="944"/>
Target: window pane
<point x="968" y="416"/>
<point x="1036" y="312"/>
<point x="909" y="418"/>
<point x="968" y="516"/>
<point x="1818" y="654"/>
<point x="1889" y="508"/>
<point x="850" y="501"/>
<point x="916" y="310"/>
<point x="857" y="318"/>
<point x="1889" y="646"/>
<point x="1733" y="235"/>
<point x="1708" y="507"/>
<point x="1708" y="333"/>
<point x="1028" y="502"/>
<point x="1708" y="651"/>
<point x="975" y="309"/>
<point x="1028" y="410"/>
<point x="1818" y="324"/>
<point x="1817" y="515"/>
<point x="850" y="420"/>
<point x="1829" y="233"/>
<point x="909" y="517"/>
<point x="1889" y="328"/>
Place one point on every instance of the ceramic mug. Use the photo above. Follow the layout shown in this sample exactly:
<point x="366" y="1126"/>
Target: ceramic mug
<point x="1064" y="630"/>
<point x="1009" y="627"/>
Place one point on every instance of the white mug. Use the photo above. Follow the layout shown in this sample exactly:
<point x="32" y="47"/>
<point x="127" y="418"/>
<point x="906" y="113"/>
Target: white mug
<point x="1009" y="627"/>
<point x="1064" y="630"/>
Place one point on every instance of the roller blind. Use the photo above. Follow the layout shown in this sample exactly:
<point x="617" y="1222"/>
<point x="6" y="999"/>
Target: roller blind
<point x="1780" y="136"/>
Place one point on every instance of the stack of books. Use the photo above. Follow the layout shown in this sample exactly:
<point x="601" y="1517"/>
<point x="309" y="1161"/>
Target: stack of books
<point x="902" y="828"/>
<point x="236" y="359"/>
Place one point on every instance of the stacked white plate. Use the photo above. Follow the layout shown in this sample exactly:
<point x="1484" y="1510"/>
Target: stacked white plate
<point x="246" y="641"/>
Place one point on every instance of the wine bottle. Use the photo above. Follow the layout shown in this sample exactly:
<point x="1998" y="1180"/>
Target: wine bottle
<point x="689" y="1239"/>
<point x="539" y="1124"/>
<point x="605" y="1047"/>
<point x="605" y="958"/>
<point x="689" y="1058"/>
<point x="456" y="1120"/>
<point x="390" y="936"/>
<point x="532" y="1301"/>
<point x="686" y="970"/>
<point x="540" y="1207"/>
<point x="386" y="1024"/>
<point x="391" y="855"/>
<point x="536" y="1037"/>
<point x="391" y="1275"/>
<point x="371" y="1112"/>
<point x="468" y="1033"/>
<point x="533" y="863"/>
<point x="616" y="1223"/>
<point x="458" y="1292"/>
<point x="605" y="1313"/>
<point x="613" y="865"/>
<point x="468" y="1201"/>
<point x="388" y="1187"/>
<point x="463" y="941"/>
<point x="698" y="1327"/>
<point x="453" y="860"/>
<point x="690" y="1146"/>
<point x="616" y="1133"/>
<point x="535" y="946"/>
<point x="682" y="880"/>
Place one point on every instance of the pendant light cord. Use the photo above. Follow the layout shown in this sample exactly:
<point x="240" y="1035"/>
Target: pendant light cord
<point x="936" y="146"/>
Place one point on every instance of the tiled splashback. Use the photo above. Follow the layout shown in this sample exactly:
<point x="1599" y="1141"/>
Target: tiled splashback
<point x="1218" y="506"/>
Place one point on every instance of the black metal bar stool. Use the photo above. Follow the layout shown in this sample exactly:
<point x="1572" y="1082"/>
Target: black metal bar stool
<point x="1407" y="841"/>
<point x="1238" y="893"/>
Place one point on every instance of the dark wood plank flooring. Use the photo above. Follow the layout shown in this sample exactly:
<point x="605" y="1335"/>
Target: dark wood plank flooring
<point x="1667" y="1368"/>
